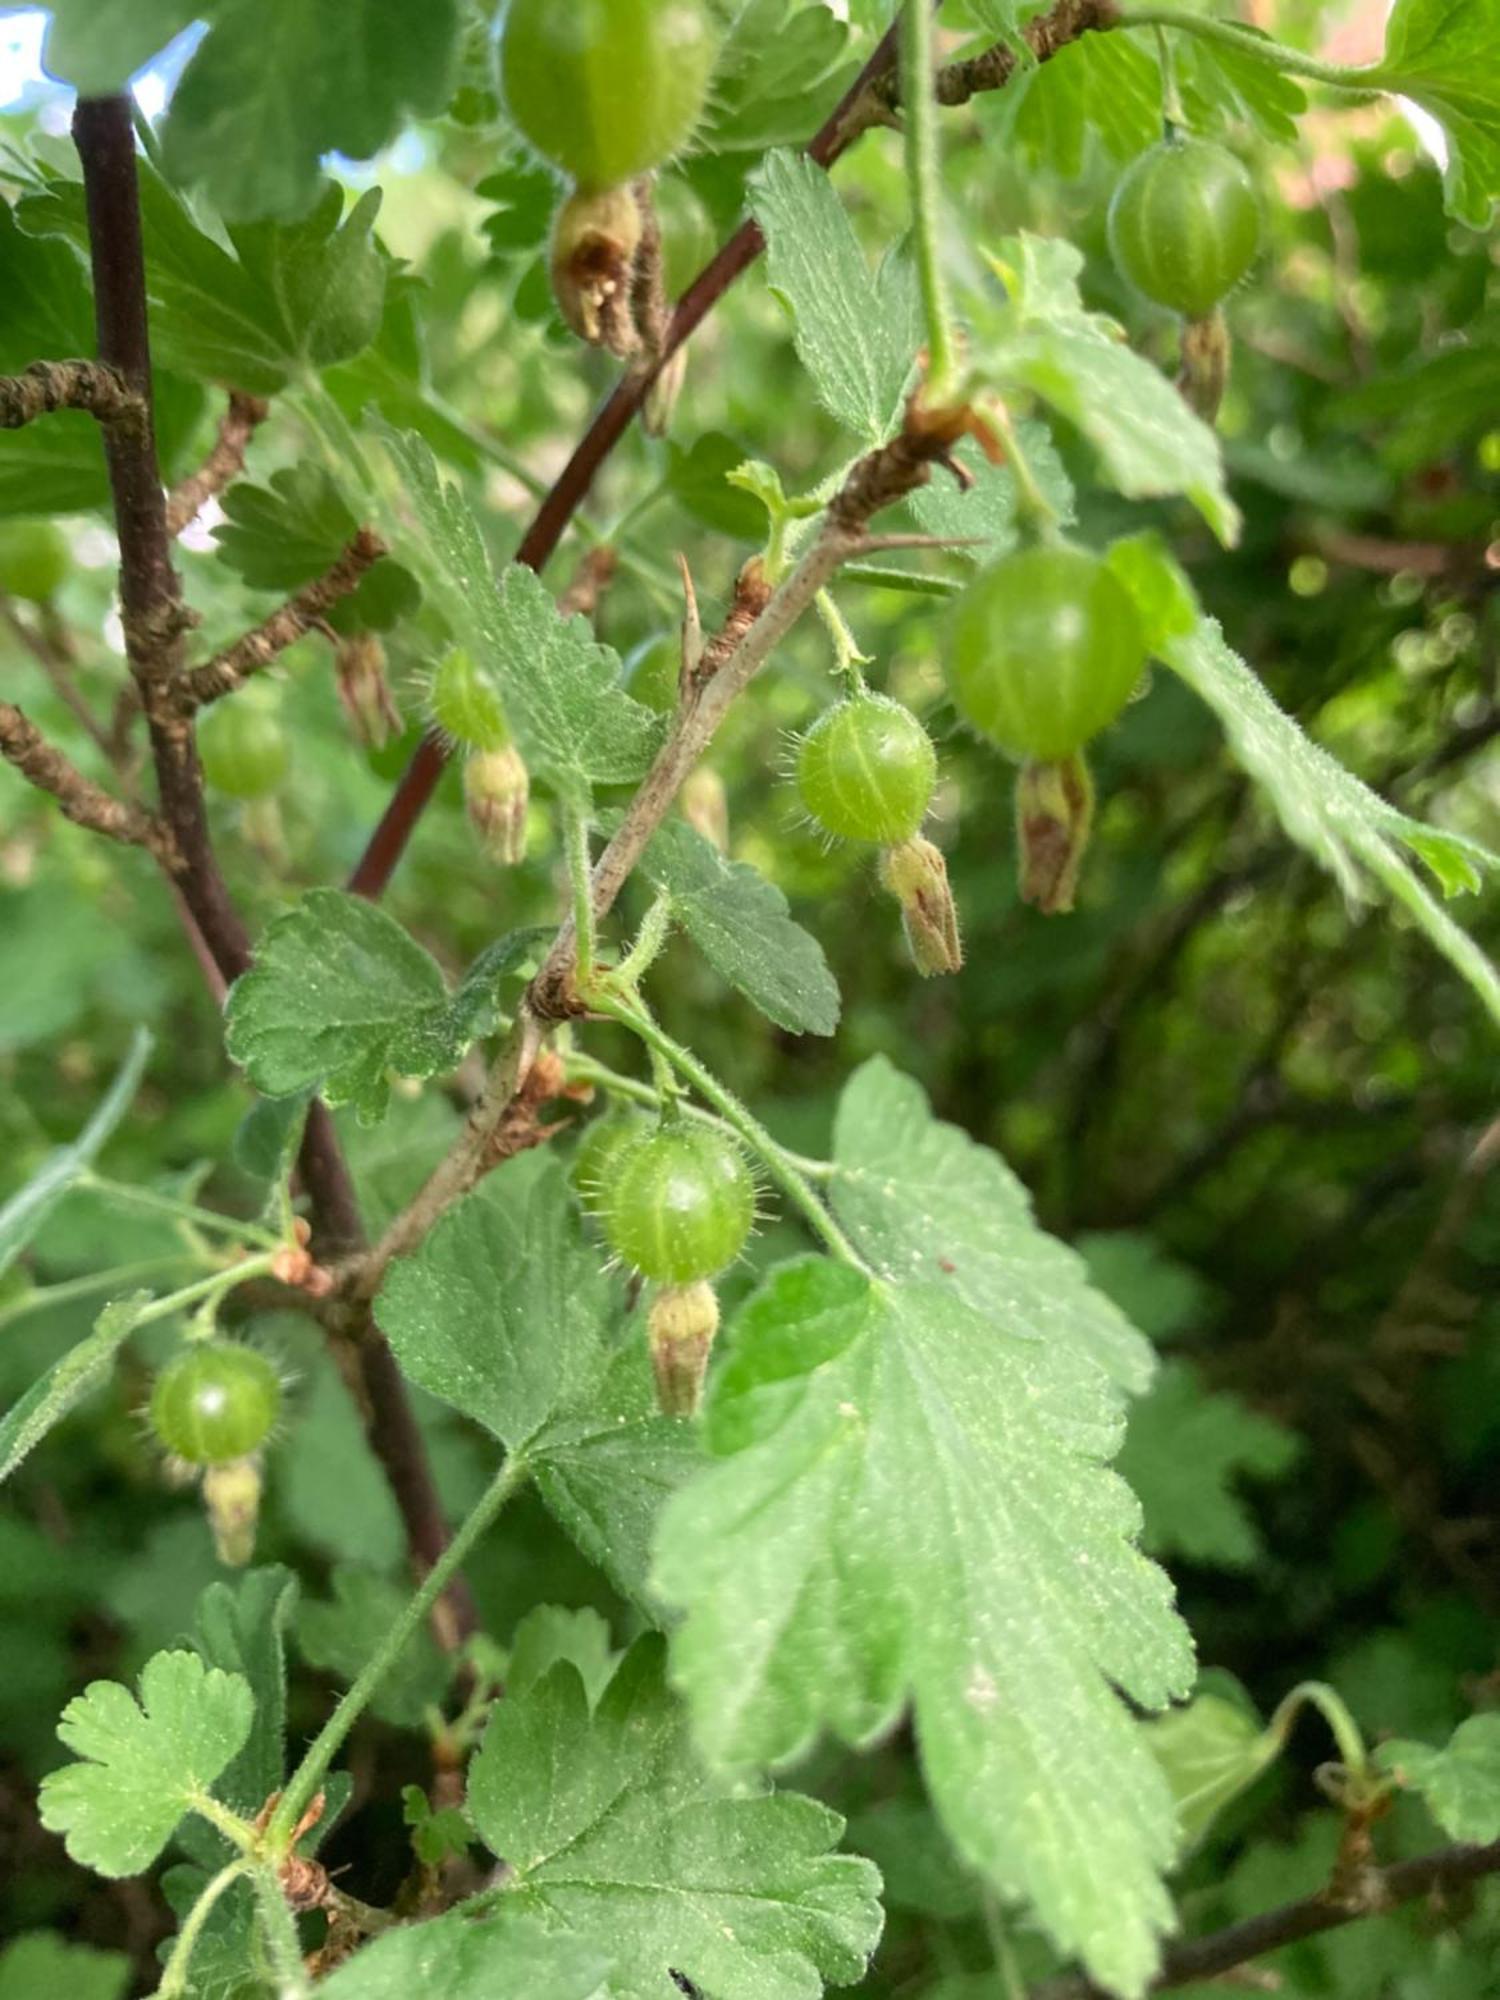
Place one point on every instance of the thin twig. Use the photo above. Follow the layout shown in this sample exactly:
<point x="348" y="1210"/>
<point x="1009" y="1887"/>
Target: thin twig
<point x="1381" y="1889"/>
<point x="300" y="614"/>
<point x="68" y="385"/>
<point x="48" y="645"/>
<point x="81" y="800"/>
<point x="224" y="463"/>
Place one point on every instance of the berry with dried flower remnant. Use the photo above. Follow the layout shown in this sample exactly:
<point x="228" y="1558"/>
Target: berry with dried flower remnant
<point x="215" y="1402"/>
<point x="678" y="1203"/>
<point x="866" y="769"/>
<point x="1184" y="224"/>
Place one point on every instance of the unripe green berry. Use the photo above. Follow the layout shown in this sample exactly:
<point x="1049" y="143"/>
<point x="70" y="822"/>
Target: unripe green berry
<point x="601" y="1145"/>
<point x="866" y="770"/>
<point x="678" y="1203"/>
<point x="606" y="89"/>
<point x="464" y="707"/>
<point x="1184" y="224"/>
<point x="1046" y="649"/>
<point x="33" y="560"/>
<point x="243" y="746"/>
<point x="215" y="1402"/>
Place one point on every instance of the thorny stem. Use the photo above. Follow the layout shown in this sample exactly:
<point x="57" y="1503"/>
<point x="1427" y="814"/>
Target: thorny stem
<point x="926" y="195"/>
<point x="304" y="1782"/>
<point x="778" y="1162"/>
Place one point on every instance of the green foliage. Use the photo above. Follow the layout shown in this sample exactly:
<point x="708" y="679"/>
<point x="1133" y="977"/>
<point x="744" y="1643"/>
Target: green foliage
<point x="831" y="1567"/>
<point x="67" y="1381"/>
<point x="740" y="922"/>
<point x="1211" y="1749"/>
<point x="281" y="536"/>
<point x="1459" y="1784"/>
<point x="144" y="1765"/>
<point x="42" y="1962"/>
<point x="340" y="1634"/>
<point x="613" y="1833"/>
<point x="1448" y="60"/>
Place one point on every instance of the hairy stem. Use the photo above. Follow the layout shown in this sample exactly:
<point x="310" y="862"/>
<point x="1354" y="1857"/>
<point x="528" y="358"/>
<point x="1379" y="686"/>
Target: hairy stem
<point x="174" y="1979"/>
<point x="926" y="194"/>
<point x="304" y="1782"/>
<point x="1291" y="62"/>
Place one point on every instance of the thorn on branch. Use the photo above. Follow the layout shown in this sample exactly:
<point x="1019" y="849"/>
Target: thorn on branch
<point x="46" y="386"/>
<point x="82" y="801"/>
<point x="301" y="613"/>
<point x="224" y="463"/>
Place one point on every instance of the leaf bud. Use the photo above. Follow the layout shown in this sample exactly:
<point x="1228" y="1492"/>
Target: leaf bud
<point x="680" y="1328"/>
<point x="916" y="874"/>
<point x="497" y="792"/>
<point x="1054" y="813"/>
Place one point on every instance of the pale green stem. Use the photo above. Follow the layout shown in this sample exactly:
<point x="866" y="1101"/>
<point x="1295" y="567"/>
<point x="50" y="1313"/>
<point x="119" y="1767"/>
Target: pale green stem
<point x="779" y="1163"/>
<point x="279" y="1928"/>
<point x="847" y="658"/>
<point x="580" y="877"/>
<point x="1031" y="501"/>
<point x="882" y="576"/>
<point x="1007" y="1971"/>
<point x="585" y="1069"/>
<point x="304" y="1782"/>
<point x="924" y="187"/>
<point x="1171" y="100"/>
<point x="1292" y="62"/>
<point x="649" y="940"/>
<point x="117" y="1278"/>
<point x="174" y="1976"/>
<point x="1318" y="1695"/>
<point x="221" y="1281"/>
<point x="183" y="1211"/>
<point x="238" y="1832"/>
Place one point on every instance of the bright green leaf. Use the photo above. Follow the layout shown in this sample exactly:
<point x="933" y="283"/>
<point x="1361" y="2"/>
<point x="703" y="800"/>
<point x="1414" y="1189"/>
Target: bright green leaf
<point x="341" y="997"/>
<point x="987" y="509"/>
<point x="739" y="921"/>
<point x="1184" y="1455"/>
<point x="1460" y="1783"/>
<point x="280" y="536"/>
<point x="26" y="1211"/>
<point x="782" y="67"/>
<point x="1324" y="808"/>
<point x="506" y="1313"/>
<point x="40" y="1963"/>
<point x="241" y="1627"/>
<point x="575" y="724"/>
<point x="98" y="45"/>
<point x="855" y="332"/>
<point x="1042" y="339"/>
<point x="1445" y="55"/>
<point x="67" y="1381"/>
<point x="276" y="84"/>
<point x="611" y="1831"/>
<point x="548" y="1634"/>
<point x="924" y="1201"/>
<point x="474" y="1961"/>
<point x="144" y="1765"/>
<point x="911" y="1504"/>
<point x="1211" y="1750"/>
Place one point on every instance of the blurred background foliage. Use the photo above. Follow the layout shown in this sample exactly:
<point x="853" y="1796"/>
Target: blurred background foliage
<point x="1267" y="1119"/>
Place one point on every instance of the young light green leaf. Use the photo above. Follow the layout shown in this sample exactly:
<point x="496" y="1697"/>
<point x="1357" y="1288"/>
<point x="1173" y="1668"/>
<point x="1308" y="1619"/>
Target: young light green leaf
<point x="1106" y="83"/>
<point x="1043" y="339"/>
<point x="280" y="536"/>
<point x="465" y="1958"/>
<point x="547" y="1634"/>
<point x="1447" y="59"/>
<point x="39" y="1964"/>
<point x="341" y="997"/>
<point x="144" y="1764"/>
<point x="26" y="1211"/>
<point x="277" y="84"/>
<point x="739" y="921"/>
<point x="506" y="1313"/>
<point x="67" y="1381"/>
<point x="1324" y="808"/>
<point x="910" y="1504"/>
<point x="1211" y="1749"/>
<point x="855" y="332"/>
<point x="1184" y="1454"/>
<point x="612" y="1832"/>
<point x="98" y="45"/>
<point x="340" y="1634"/>
<point x="294" y="296"/>
<point x="574" y="722"/>
<point x="924" y="1201"/>
<point x="1460" y="1784"/>
<point x="782" y="68"/>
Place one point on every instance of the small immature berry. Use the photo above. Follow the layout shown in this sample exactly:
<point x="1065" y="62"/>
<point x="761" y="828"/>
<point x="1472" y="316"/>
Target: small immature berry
<point x="601" y="1145"/>
<point x="1184" y="224"/>
<point x="606" y="89"/>
<point x="464" y="707"/>
<point x="678" y="1203"/>
<point x="33" y="560"/>
<point x="1046" y="650"/>
<point x="866" y="769"/>
<point x="214" y="1402"/>
<point x="243" y="747"/>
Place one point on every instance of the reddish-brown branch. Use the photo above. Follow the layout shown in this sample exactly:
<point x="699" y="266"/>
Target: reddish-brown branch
<point x="82" y="801"/>
<point x="301" y="613"/>
<point x="155" y="622"/>
<point x="224" y="463"/>
<point x="1378" y="1890"/>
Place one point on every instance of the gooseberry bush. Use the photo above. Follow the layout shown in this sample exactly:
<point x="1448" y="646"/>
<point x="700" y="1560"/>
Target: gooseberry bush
<point x="633" y="1498"/>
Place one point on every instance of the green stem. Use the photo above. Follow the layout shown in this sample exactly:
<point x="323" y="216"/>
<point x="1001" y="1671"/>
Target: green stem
<point x="580" y="876"/>
<point x="238" y="1832"/>
<point x="183" y="1211"/>
<point x="221" y="1281"/>
<point x="585" y="1069"/>
<point x="1318" y="1695"/>
<point x="118" y="1278"/>
<point x="882" y="576"/>
<point x="1292" y="62"/>
<point x="919" y="108"/>
<point x="175" y="1973"/>
<point x="1031" y="502"/>
<point x="310" y="1773"/>
<point x="847" y="658"/>
<point x="1171" y="100"/>
<point x="779" y="1163"/>
<point x="649" y="940"/>
<point x="279" y="1928"/>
